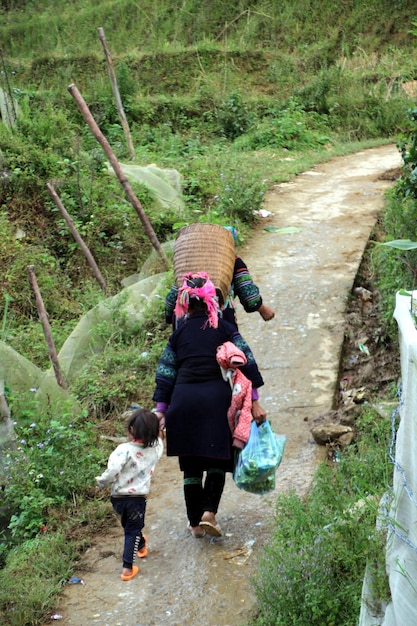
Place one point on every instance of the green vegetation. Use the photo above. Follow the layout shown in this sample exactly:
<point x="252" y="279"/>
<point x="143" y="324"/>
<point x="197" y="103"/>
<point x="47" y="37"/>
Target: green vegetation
<point x="27" y="597"/>
<point x="312" y="570"/>
<point x="396" y="263"/>
<point x="235" y="97"/>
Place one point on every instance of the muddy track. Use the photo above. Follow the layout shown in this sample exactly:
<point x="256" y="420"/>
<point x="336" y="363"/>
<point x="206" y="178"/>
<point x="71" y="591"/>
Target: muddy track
<point x="307" y="276"/>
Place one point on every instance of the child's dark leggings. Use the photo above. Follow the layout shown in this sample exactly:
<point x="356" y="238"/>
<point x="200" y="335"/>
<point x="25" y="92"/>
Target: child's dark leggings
<point x="132" y="517"/>
<point x="201" y="497"/>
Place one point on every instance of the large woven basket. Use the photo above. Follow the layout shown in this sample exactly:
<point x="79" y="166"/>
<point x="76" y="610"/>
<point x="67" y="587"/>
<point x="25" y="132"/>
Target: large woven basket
<point x="205" y="248"/>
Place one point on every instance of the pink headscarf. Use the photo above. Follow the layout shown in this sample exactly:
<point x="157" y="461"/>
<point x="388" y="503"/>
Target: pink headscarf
<point x="206" y="293"/>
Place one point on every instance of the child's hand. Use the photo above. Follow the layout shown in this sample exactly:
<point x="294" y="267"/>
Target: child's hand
<point x="161" y="417"/>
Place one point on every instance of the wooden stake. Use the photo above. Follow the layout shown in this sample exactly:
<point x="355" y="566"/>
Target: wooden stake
<point x="116" y="93"/>
<point x="119" y="172"/>
<point x="43" y="316"/>
<point x="9" y="100"/>
<point x="78" y="238"/>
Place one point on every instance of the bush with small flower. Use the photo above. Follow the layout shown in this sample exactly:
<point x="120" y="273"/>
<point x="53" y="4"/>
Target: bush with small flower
<point x="55" y="458"/>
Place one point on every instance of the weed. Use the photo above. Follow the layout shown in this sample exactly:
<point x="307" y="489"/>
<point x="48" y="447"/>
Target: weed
<point x="234" y="116"/>
<point x="45" y="442"/>
<point x="311" y="572"/>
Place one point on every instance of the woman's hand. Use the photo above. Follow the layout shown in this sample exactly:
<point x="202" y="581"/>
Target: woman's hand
<point x="258" y="413"/>
<point x="266" y="312"/>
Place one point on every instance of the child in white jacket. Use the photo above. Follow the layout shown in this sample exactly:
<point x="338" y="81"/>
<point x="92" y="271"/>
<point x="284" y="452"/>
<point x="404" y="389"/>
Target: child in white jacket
<point x="129" y="471"/>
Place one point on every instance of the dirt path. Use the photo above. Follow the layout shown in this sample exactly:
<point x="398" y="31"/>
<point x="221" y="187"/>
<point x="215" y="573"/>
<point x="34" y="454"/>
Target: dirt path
<point x="307" y="277"/>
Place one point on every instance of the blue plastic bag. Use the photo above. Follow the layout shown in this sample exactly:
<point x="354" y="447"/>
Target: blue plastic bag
<point x="257" y="463"/>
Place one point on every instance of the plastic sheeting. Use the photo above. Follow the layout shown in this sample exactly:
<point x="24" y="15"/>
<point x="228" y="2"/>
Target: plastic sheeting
<point x="401" y="549"/>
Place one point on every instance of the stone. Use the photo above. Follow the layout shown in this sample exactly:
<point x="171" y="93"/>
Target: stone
<point x="329" y="432"/>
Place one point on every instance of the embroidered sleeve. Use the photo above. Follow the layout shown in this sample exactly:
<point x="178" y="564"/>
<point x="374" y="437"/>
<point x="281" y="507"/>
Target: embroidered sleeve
<point x="166" y="374"/>
<point x="242" y="345"/>
<point x="250" y="370"/>
<point x="244" y="287"/>
<point x="170" y="301"/>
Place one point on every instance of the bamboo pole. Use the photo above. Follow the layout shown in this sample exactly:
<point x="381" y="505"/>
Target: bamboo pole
<point x="78" y="238"/>
<point x="43" y="316"/>
<point x="9" y="100"/>
<point x="116" y="93"/>
<point x="119" y="172"/>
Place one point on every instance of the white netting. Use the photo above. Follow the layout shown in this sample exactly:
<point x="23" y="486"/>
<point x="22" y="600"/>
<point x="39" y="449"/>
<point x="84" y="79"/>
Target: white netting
<point x="17" y="372"/>
<point x="401" y="515"/>
<point x="153" y="265"/>
<point x="166" y="184"/>
<point x="88" y="337"/>
<point x="19" y="375"/>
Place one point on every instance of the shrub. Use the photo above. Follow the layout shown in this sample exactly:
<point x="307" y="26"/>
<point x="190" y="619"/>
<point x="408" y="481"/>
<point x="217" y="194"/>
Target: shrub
<point x="397" y="269"/>
<point x="234" y="116"/>
<point x="312" y="569"/>
<point x="40" y="472"/>
<point x="290" y="128"/>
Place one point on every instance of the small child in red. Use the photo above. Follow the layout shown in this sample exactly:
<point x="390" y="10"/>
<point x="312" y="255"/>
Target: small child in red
<point x="230" y="358"/>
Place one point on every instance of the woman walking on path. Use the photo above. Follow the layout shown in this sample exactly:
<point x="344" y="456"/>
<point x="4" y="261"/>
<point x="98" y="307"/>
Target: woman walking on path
<point x="242" y="287"/>
<point x="193" y="399"/>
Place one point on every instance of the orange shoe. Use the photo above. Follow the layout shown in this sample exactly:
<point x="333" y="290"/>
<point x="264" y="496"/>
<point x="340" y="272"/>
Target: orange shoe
<point x="143" y="552"/>
<point x="135" y="570"/>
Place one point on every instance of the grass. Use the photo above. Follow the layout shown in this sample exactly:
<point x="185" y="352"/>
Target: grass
<point x="36" y="571"/>
<point x="312" y="570"/>
<point x="163" y="25"/>
<point x="103" y="387"/>
<point x="33" y="577"/>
